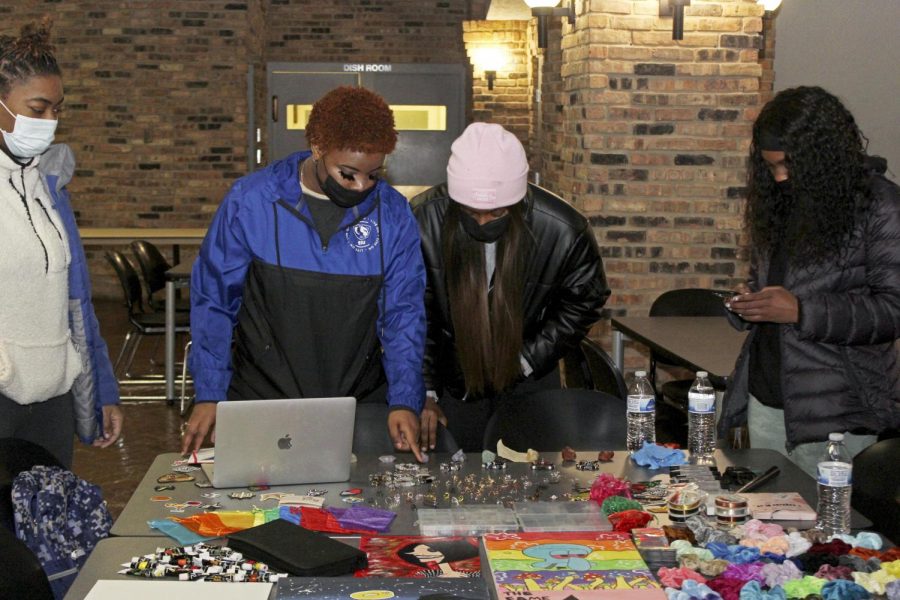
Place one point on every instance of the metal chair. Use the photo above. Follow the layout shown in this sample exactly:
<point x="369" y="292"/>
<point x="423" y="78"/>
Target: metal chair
<point x="549" y="420"/>
<point x="588" y="366"/>
<point x="142" y="323"/>
<point x="153" y="266"/>
<point x="876" y="486"/>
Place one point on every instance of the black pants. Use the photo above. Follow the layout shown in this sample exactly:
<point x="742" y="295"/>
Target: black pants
<point x="467" y="420"/>
<point x="49" y="424"/>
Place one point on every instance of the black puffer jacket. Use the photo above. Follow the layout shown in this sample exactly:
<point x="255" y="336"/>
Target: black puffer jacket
<point x="839" y="367"/>
<point x="565" y="286"/>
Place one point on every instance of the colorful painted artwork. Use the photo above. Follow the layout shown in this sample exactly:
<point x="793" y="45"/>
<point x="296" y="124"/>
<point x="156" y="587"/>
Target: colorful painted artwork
<point x="349" y="588"/>
<point x="417" y="556"/>
<point x="577" y="565"/>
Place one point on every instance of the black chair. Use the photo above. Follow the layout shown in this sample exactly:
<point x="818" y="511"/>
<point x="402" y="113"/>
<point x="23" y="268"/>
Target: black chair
<point x="673" y="395"/>
<point x="23" y="576"/>
<point x="370" y="433"/>
<point x="876" y="486"/>
<point x="589" y="367"/>
<point x="153" y="266"/>
<point x="142" y="323"/>
<point x="549" y="420"/>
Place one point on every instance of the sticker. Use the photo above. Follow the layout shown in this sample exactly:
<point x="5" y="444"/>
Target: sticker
<point x="257" y="488"/>
<point x="241" y="495"/>
<point x="175" y="478"/>
<point x="194" y="503"/>
<point x="272" y="496"/>
<point x="185" y="469"/>
<point x="353" y="499"/>
<point x="203" y="484"/>
<point x="352" y="492"/>
<point x="160" y="498"/>
<point x="163" y="488"/>
<point x="210" y="495"/>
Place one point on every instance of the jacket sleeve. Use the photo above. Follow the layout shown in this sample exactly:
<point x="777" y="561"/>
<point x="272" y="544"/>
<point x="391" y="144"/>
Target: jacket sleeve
<point x="582" y="293"/>
<point x="217" y="283"/>
<point x="402" y="320"/>
<point x="870" y="314"/>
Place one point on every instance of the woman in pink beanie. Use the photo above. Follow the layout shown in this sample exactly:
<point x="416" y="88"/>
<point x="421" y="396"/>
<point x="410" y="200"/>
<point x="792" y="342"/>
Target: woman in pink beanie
<point x="514" y="280"/>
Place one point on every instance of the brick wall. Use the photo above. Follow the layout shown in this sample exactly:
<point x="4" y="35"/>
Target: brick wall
<point x="156" y="90"/>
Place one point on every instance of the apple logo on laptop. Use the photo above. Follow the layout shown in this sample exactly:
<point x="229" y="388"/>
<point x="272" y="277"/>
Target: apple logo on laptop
<point x="285" y="442"/>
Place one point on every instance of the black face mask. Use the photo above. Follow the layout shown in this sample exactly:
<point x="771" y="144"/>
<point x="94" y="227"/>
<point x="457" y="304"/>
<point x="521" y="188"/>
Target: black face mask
<point x="487" y="233"/>
<point x="785" y="188"/>
<point x="339" y="194"/>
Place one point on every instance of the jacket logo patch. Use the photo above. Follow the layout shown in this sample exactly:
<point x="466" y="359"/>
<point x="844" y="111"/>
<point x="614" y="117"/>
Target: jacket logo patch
<point x="363" y="236"/>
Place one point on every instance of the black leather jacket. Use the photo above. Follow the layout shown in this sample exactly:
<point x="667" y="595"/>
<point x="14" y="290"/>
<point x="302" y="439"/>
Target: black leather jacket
<point x="565" y="286"/>
<point x="839" y="367"/>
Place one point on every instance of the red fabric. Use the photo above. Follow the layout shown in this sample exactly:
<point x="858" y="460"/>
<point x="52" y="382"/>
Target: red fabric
<point x="627" y="520"/>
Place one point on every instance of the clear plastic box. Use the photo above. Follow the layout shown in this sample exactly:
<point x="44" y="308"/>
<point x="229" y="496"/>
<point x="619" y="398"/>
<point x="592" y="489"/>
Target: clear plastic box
<point x="466" y="520"/>
<point x="561" y="516"/>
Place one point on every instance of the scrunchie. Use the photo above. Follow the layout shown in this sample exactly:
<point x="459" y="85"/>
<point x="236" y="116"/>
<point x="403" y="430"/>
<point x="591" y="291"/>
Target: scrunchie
<point x="841" y="589"/>
<point x="675" y="577"/>
<point x="615" y="504"/>
<point x="754" y="528"/>
<point x="833" y="547"/>
<point x="679" y="533"/>
<point x="874" y="583"/>
<point x="798" y="544"/>
<point x="727" y="587"/>
<point x="831" y="573"/>
<point x="893" y="568"/>
<point x="810" y="563"/>
<point x="858" y="564"/>
<point x="692" y="590"/>
<point x="753" y="591"/>
<point x="607" y="485"/>
<point x="864" y="539"/>
<point x="708" y="568"/>
<point x="733" y="553"/>
<point x="779" y="574"/>
<point x="815" y="536"/>
<point x="683" y="547"/>
<point x="627" y="520"/>
<point x="891" y="554"/>
<point x="706" y="534"/>
<point x="893" y="590"/>
<point x="745" y="572"/>
<point x="801" y="588"/>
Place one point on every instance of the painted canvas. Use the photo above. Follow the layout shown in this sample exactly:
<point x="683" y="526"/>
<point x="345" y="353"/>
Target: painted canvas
<point x="568" y="565"/>
<point x="350" y="588"/>
<point x="417" y="556"/>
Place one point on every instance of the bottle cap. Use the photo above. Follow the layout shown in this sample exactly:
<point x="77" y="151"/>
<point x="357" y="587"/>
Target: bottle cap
<point x="640" y="373"/>
<point x="702" y="374"/>
<point x="836" y="437"/>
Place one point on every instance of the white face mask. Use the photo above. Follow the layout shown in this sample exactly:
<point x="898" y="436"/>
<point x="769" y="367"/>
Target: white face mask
<point x="29" y="137"/>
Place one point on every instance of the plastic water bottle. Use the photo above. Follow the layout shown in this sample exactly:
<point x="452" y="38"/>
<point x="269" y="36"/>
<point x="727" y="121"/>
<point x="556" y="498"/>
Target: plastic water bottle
<point x="701" y="419"/>
<point x="835" y="477"/>
<point x="641" y="417"/>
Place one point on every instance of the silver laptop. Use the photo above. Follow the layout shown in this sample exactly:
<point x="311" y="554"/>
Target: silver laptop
<point x="282" y="442"/>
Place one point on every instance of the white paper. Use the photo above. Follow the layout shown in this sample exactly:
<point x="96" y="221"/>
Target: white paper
<point x="116" y="589"/>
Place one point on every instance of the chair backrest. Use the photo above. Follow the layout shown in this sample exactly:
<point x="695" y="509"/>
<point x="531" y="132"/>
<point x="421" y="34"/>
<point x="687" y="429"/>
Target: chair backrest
<point x="128" y="277"/>
<point x="153" y="266"/>
<point x="689" y="302"/>
<point x="549" y="420"/>
<point x="589" y="367"/>
<point x="23" y="575"/>
<point x="16" y="456"/>
<point x="370" y="433"/>
<point x="876" y="486"/>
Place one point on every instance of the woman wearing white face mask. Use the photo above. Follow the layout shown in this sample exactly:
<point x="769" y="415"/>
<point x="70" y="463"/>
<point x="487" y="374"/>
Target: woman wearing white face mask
<point x="55" y="375"/>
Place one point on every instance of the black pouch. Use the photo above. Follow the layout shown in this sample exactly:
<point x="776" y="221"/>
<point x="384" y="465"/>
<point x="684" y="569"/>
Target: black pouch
<point x="292" y="549"/>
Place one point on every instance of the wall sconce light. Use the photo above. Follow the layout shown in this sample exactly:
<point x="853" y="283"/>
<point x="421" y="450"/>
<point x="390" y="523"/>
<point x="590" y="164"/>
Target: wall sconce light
<point x="544" y="9"/>
<point x="674" y="9"/>
<point x="489" y="60"/>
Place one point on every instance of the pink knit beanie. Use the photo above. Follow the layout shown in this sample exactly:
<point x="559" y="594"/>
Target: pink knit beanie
<point x="487" y="168"/>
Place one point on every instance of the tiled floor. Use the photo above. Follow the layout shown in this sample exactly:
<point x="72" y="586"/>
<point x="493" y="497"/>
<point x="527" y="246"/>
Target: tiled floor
<point x="151" y="427"/>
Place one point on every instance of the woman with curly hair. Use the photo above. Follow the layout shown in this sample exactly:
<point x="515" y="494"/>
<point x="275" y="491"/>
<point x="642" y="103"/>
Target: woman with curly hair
<point x="312" y="270"/>
<point x="56" y="379"/>
<point x="823" y="301"/>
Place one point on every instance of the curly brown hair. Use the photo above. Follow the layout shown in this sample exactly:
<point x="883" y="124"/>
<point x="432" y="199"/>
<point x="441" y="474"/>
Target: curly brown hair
<point x="352" y="118"/>
<point x="28" y="55"/>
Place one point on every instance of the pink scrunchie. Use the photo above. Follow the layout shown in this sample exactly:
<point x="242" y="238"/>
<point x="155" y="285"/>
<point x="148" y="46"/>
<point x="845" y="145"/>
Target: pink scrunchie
<point x="728" y="588"/>
<point x="745" y="572"/>
<point x="606" y="486"/>
<point x="754" y="528"/>
<point x="675" y="577"/>
<point x="776" y="574"/>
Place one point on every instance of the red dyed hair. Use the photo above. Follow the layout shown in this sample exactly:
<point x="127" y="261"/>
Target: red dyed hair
<point x="352" y="118"/>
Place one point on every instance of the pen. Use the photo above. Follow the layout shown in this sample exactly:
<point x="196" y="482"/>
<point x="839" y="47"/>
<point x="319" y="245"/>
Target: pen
<point x="759" y="480"/>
